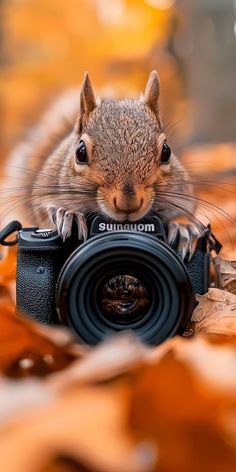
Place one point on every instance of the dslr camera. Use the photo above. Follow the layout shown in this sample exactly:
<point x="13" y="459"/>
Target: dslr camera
<point x="124" y="277"/>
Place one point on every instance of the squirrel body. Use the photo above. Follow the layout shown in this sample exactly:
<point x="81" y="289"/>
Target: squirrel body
<point x="88" y="156"/>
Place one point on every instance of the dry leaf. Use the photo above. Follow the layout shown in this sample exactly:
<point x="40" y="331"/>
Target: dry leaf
<point x="172" y="406"/>
<point x="24" y="351"/>
<point x="214" y="314"/>
<point x="113" y="357"/>
<point x="226" y="271"/>
<point x="88" y="425"/>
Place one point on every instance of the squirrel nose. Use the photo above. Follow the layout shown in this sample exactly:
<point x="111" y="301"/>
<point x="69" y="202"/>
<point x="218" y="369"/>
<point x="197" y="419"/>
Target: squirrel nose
<point x="127" y="205"/>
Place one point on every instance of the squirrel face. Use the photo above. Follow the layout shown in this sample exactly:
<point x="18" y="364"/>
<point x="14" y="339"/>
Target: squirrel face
<point x="117" y="149"/>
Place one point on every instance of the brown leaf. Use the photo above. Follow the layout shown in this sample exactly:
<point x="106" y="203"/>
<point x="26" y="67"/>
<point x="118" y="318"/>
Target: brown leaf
<point x="116" y="355"/>
<point x="24" y="351"/>
<point x="226" y="271"/>
<point x="214" y="314"/>
<point x="86" y="424"/>
<point x="172" y="406"/>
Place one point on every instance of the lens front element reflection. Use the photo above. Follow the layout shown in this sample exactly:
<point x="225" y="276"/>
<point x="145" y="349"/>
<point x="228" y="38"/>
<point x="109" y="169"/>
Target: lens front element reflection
<point x="124" y="298"/>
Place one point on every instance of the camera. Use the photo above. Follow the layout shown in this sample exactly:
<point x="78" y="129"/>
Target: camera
<point x="124" y="277"/>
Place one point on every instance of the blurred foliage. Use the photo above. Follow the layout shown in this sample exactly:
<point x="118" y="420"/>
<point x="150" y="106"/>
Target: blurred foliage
<point x="48" y="45"/>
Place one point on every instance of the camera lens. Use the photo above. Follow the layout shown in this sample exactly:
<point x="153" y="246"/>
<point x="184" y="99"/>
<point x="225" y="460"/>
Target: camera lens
<point x="124" y="280"/>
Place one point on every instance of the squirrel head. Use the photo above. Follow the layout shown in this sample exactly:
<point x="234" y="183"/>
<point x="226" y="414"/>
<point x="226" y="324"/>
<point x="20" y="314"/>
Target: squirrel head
<point x="119" y="149"/>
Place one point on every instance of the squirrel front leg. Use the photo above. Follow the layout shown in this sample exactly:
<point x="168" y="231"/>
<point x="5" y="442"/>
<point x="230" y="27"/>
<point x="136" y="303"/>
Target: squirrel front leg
<point x="63" y="220"/>
<point x="183" y="238"/>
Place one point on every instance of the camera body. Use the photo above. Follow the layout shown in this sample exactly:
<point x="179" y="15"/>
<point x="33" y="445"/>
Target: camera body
<point x="50" y="270"/>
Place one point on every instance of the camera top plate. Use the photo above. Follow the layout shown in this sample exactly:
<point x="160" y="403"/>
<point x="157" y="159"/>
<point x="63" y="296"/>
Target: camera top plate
<point x="35" y="237"/>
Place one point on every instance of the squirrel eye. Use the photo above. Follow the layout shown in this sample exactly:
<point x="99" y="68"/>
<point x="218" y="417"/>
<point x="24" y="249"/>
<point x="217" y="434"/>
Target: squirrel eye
<point x="165" y="154"/>
<point x="81" y="153"/>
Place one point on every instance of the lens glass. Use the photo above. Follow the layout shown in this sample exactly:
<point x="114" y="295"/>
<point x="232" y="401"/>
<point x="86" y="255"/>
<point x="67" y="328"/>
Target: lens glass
<point x="123" y="298"/>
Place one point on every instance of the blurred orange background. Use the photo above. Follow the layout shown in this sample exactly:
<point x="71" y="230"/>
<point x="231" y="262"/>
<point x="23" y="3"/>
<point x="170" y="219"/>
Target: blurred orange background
<point x="47" y="46"/>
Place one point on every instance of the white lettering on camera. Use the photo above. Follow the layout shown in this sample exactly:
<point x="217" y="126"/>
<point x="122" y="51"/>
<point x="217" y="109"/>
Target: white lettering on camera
<point x="147" y="227"/>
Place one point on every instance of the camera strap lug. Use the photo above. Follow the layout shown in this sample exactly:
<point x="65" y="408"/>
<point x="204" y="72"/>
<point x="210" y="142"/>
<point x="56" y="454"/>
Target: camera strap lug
<point x="10" y="228"/>
<point x="213" y="243"/>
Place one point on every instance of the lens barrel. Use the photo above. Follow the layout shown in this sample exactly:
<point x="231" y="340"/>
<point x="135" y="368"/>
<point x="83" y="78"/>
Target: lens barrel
<point x="124" y="281"/>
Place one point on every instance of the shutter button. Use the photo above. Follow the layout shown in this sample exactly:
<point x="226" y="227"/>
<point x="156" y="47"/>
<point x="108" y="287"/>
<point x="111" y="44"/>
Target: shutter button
<point x="43" y="233"/>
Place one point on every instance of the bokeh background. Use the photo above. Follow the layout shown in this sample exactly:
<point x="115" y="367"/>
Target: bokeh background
<point x="47" y="45"/>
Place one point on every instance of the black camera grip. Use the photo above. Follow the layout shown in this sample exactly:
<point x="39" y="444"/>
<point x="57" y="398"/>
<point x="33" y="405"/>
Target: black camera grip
<point x="37" y="272"/>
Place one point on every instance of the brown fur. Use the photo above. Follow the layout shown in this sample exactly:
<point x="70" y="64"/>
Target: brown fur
<point x="124" y="178"/>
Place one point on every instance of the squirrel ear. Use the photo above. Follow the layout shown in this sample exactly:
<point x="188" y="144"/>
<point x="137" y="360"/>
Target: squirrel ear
<point x="87" y="100"/>
<point x="152" y="93"/>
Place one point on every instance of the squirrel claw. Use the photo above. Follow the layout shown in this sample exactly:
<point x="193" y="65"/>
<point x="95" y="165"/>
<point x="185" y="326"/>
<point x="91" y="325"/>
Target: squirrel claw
<point x="82" y="226"/>
<point x="63" y="222"/>
<point x="67" y="222"/>
<point x="183" y="238"/>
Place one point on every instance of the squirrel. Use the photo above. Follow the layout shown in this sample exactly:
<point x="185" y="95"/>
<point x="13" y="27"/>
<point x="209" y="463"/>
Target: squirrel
<point x="103" y="156"/>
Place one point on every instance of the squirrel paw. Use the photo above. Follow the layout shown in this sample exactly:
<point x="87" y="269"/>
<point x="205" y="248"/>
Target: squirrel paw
<point x="63" y="221"/>
<point x="183" y="238"/>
